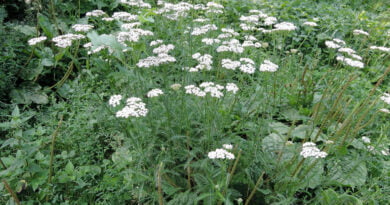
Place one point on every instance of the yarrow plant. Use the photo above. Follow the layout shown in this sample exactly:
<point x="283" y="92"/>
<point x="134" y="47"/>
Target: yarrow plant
<point x="309" y="149"/>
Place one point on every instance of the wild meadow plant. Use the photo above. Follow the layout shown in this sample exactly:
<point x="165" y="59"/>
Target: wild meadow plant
<point x="206" y="103"/>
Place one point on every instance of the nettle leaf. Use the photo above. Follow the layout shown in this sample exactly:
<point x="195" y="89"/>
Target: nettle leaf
<point x="46" y="25"/>
<point x="273" y="142"/>
<point x="314" y="177"/>
<point x="279" y="127"/>
<point x="27" y="95"/>
<point x="106" y="40"/>
<point x="348" y="171"/>
<point x="26" y="30"/>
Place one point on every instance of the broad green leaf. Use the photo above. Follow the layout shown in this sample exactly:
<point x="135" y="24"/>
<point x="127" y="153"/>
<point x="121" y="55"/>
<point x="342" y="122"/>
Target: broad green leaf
<point x="273" y="142"/>
<point x="46" y="25"/>
<point x="279" y="127"/>
<point x="348" y="171"/>
<point x="69" y="168"/>
<point x="328" y="197"/>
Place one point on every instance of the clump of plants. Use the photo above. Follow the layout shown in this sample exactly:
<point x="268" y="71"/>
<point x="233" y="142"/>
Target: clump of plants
<point x="213" y="102"/>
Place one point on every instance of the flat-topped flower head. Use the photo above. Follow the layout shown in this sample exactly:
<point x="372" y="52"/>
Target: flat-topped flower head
<point x="82" y="27"/>
<point x="65" y="41"/>
<point x="95" y="13"/>
<point x="154" y="93"/>
<point x="360" y="32"/>
<point x="386" y="98"/>
<point x="309" y="149"/>
<point x="268" y="66"/>
<point x="380" y="48"/>
<point x="115" y="100"/>
<point x="310" y="23"/>
<point x="134" y="108"/>
<point x="220" y="154"/>
<point x="34" y="41"/>
<point x="231" y="87"/>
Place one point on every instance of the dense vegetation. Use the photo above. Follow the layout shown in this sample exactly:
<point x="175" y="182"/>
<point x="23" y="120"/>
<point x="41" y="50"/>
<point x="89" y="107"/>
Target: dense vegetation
<point x="198" y="102"/>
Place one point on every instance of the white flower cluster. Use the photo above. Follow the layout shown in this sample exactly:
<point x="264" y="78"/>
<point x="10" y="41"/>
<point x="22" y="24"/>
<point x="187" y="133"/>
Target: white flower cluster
<point x="154" y="93"/>
<point x="231" y="87"/>
<point x="386" y="98"/>
<point x="384" y="110"/>
<point x="366" y="140"/>
<point x="250" y="19"/>
<point x="100" y="48"/>
<point x="360" y="32"/>
<point x="163" y="49"/>
<point x="309" y="149"/>
<point x="203" y="29"/>
<point x="231" y="46"/>
<point x="161" y="58"/>
<point x="175" y="11"/>
<point x="245" y="65"/>
<point x="201" y="20"/>
<point x="354" y="60"/>
<point x="270" y="20"/>
<point x="65" y="41"/>
<point x="227" y="146"/>
<point x="213" y="7"/>
<point x="230" y="64"/>
<point x="351" y="62"/>
<point x="310" y="23"/>
<point x="136" y="3"/>
<point x="115" y="100"/>
<point x="129" y="26"/>
<point x="124" y="16"/>
<point x="82" y="27"/>
<point x="335" y="43"/>
<point x="211" y="41"/>
<point x="204" y="61"/>
<point x="156" y="42"/>
<point x="215" y="90"/>
<point x="134" y="108"/>
<point x="251" y="41"/>
<point x="132" y="35"/>
<point x="220" y="154"/>
<point x="34" y="41"/>
<point x="96" y="13"/>
<point x="268" y="66"/>
<point x="227" y="33"/>
<point x="380" y="48"/>
<point x="284" y="26"/>
<point x="108" y="19"/>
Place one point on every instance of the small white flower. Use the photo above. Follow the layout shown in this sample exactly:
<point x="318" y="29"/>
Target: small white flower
<point x="268" y="66"/>
<point x="285" y="26"/>
<point x="154" y="93"/>
<point x="360" y="32"/>
<point x="37" y="40"/>
<point x="380" y="48"/>
<point x="231" y="87"/>
<point x="386" y="98"/>
<point x="227" y="146"/>
<point x="366" y="140"/>
<point x="175" y="86"/>
<point x="96" y="13"/>
<point x="220" y="154"/>
<point x="311" y="24"/>
<point x="82" y="27"/>
<point x="329" y="142"/>
<point x="331" y="44"/>
<point x="134" y="108"/>
<point x="384" y="110"/>
<point x="115" y="100"/>
<point x="309" y="149"/>
<point x="270" y="21"/>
